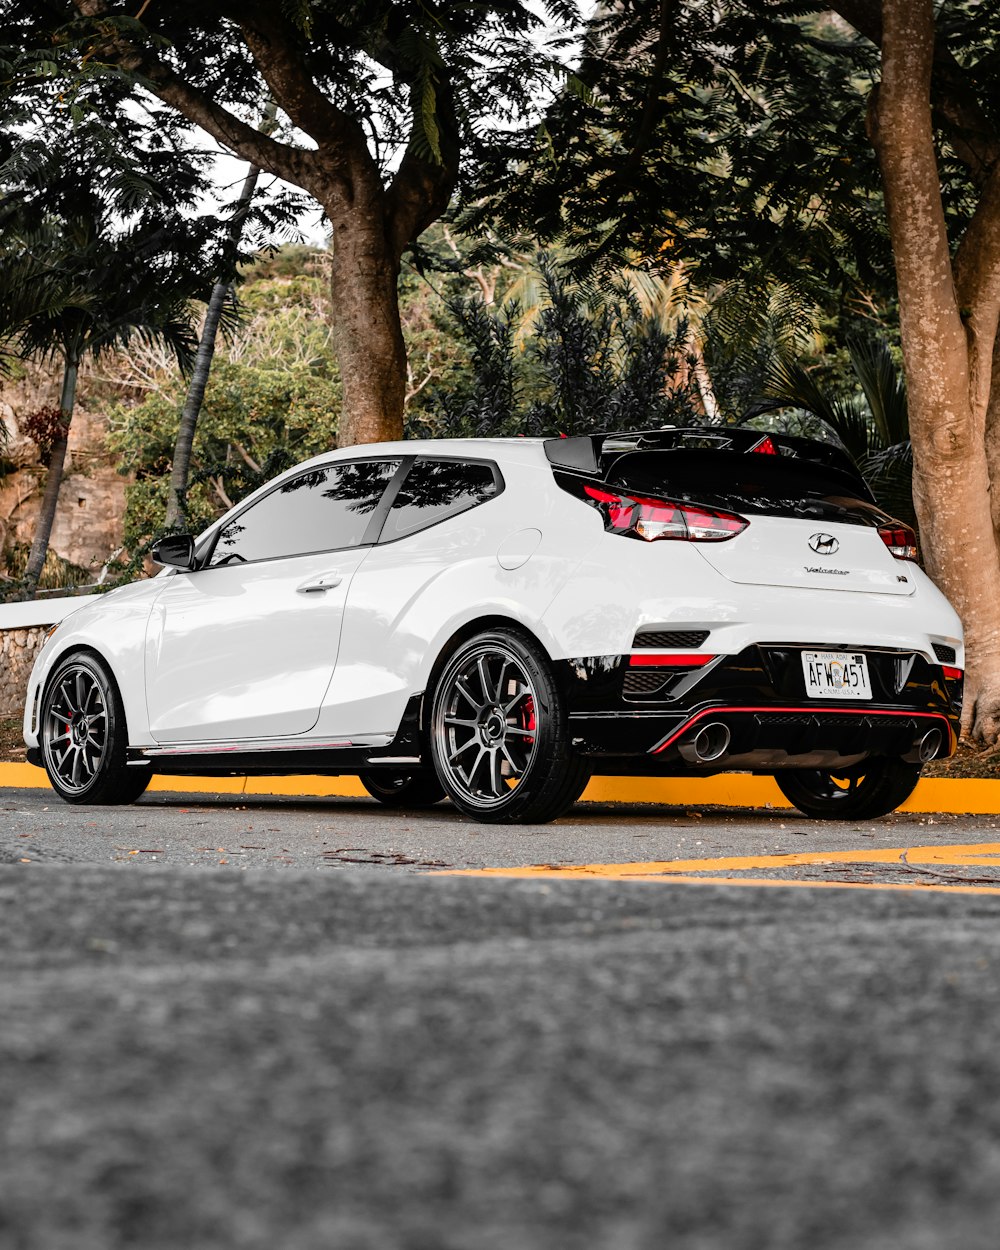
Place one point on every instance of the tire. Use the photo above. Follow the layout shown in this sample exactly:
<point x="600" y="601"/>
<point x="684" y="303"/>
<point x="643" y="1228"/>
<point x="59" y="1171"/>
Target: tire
<point x="402" y="789"/>
<point x="868" y="790"/>
<point x="83" y="736"/>
<point x="499" y="737"/>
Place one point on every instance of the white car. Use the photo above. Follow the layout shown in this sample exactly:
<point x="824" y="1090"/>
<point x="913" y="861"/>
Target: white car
<point x="499" y="619"/>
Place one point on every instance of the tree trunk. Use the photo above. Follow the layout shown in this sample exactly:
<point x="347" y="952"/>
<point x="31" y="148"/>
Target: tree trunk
<point x="950" y="479"/>
<point x="181" y="463"/>
<point x="367" y="335"/>
<point x="993" y="441"/>
<point x="53" y="481"/>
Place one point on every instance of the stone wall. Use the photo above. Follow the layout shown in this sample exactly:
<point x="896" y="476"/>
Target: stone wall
<point x="89" y="517"/>
<point x="18" y="648"/>
<point x="23" y="627"/>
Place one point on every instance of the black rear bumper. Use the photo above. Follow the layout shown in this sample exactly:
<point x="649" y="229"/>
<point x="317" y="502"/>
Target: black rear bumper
<point x="641" y="726"/>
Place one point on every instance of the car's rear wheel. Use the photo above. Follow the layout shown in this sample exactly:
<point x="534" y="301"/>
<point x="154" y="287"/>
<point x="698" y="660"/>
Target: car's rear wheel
<point x="403" y="789"/>
<point x="84" y="740"/>
<point x="499" y="738"/>
<point x="867" y="790"/>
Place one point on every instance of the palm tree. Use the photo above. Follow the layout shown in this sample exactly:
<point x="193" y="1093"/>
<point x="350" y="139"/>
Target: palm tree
<point x="100" y="287"/>
<point x="222" y="294"/>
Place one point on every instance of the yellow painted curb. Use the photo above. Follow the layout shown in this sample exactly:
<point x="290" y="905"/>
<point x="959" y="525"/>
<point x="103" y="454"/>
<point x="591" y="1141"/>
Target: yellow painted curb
<point x="933" y="794"/>
<point x="341" y="787"/>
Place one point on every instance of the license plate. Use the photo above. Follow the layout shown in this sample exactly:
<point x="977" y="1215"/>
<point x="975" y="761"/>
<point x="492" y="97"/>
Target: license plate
<point x="836" y="675"/>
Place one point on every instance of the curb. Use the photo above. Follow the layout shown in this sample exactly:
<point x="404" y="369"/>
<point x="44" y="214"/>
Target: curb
<point x="932" y="795"/>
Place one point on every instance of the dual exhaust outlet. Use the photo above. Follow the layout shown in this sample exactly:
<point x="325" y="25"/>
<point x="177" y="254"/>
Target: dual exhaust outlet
<point x="711" y="743"/>
<point x="925" y="748"/>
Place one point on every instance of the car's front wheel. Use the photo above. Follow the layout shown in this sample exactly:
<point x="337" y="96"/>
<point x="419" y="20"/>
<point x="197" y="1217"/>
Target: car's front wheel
<point x="499" y="738"/>
<point x="84" y="740"/>
<point x="867" y="790"/>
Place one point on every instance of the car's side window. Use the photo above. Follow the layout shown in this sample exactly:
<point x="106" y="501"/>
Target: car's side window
<point x="436" y="489"/>
<point x="324" y="509"/>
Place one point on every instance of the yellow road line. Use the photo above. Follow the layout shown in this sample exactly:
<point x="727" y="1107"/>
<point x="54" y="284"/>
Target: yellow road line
<point x="787" y="883"/>
<point x="955" y="855"/>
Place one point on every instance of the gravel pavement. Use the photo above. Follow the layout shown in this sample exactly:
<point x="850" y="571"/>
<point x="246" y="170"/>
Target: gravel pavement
<point x="352" y="1051"/>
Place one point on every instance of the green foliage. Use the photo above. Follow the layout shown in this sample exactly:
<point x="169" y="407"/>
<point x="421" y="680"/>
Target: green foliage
<point x="255" y="418"/>
<point x="419" y="79"/>
<point x="57" y="574"/>
<point x="870" y="420"/>
<point x="729" y="137"/>
<point x="273" y="397"/>
<point x="749" y="329"/>
<point x="587" y="364"/>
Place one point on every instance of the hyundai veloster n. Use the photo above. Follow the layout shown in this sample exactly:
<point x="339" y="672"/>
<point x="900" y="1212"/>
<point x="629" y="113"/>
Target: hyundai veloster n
<point x="499" y="620"/>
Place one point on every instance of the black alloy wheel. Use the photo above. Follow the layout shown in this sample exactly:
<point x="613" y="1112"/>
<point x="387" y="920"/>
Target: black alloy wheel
<point x="394" y="789"/>
<point x="499" y="738"/>
<point x="84" y="741"/>
<point x="869" y="789"/>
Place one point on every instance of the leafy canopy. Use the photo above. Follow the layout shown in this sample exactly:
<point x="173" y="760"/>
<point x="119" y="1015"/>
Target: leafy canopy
<point x="728" y="137"/>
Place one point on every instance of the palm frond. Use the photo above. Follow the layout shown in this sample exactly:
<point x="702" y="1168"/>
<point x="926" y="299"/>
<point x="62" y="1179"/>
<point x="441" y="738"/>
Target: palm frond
<point x="788" y="383"/>
<point x="884" y="388"/>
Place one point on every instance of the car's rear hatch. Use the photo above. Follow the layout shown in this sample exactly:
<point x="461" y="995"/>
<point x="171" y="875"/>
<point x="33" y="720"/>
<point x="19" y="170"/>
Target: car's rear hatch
<point x="813" y="522"/>
<point x="808" y="526"/>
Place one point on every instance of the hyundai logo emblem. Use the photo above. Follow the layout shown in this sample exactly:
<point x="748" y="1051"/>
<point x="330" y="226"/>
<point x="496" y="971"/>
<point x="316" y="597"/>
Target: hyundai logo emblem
<point x="824" y="544"/>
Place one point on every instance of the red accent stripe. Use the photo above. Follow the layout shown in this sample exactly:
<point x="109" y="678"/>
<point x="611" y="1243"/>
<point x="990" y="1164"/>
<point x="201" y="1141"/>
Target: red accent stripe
<point x="663" y="659"/>
<point x="825" y="711"/>
<point x="952" y="674"/>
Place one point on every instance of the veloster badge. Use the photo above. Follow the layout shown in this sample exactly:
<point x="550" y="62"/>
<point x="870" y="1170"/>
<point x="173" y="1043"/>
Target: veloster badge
<point x="824" y="544"/>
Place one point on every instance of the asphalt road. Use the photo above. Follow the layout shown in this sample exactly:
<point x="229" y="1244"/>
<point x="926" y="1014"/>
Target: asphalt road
<point x="315" y="1038"/>
<point x="202" y="830"/>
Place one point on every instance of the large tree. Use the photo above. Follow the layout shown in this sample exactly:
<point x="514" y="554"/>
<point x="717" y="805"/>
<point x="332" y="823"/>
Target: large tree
<point x="383" y="97"/>
<point x="936" y="103"/>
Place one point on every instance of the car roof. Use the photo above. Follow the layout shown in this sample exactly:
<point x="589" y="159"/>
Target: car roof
<point x="523" y="450"/>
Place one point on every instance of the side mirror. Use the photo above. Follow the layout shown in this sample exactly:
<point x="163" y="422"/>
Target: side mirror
<point x="177" y="550"/>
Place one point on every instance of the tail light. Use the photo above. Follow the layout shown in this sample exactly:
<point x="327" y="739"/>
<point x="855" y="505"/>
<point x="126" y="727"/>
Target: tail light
<point x="636" y="516"/>
<point x="952" y="674"/>
<point x="900" y="540"/>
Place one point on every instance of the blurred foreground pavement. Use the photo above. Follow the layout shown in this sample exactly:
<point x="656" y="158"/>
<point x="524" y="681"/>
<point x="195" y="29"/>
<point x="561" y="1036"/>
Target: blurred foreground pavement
<point x="372" y="1059"/>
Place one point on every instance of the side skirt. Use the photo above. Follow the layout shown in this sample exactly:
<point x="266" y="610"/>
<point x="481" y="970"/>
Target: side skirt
<point x="289" y="759"/>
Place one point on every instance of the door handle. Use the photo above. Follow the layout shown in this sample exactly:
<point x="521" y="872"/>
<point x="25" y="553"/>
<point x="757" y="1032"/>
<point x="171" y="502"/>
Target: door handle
<point x="320" y="585"/>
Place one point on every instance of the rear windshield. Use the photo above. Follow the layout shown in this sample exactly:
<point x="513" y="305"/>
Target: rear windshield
<point x="748" y="483"/>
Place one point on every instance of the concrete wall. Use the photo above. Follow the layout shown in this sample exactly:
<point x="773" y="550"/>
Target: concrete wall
<point x="23" y="627"/>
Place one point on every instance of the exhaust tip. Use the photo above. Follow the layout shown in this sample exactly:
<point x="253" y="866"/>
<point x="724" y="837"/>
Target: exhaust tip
<point x="710" y="743"/>
<point x="928" y="746"/>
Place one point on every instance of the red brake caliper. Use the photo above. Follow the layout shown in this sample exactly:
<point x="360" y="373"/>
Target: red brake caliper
<point x="527" y="713"/>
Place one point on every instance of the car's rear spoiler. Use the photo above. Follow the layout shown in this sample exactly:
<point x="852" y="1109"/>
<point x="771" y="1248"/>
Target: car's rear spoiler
<point x="596" y="453"/>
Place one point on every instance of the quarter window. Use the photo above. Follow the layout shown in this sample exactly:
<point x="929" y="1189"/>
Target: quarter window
<point x="325" y="509"/>
<point x="437" y="489"/>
